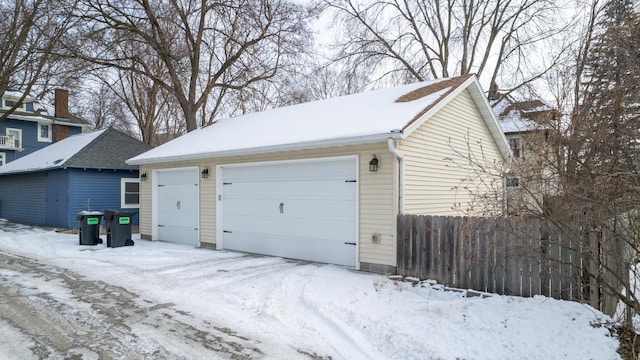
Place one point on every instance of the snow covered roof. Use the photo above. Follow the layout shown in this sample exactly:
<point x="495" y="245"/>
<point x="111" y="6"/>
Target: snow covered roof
<point x="362" y="118"/>
<point x="102" y="149"/>
<point x="518" y="117"/>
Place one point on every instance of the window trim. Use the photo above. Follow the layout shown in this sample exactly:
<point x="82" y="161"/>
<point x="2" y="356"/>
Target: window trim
<point x="19" y="131"/>
<point x="5" y="106"/>
<point x="45" y="139"/>
<point x="517" y="153"/>
<point x="3" y="158"/>
<point x="123" y="182"/>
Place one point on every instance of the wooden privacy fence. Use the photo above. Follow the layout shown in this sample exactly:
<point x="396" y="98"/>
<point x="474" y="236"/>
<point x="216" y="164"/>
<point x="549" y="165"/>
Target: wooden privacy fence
<point x="508" y="256"/>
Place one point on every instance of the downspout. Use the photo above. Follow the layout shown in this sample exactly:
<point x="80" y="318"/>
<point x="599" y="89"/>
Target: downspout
<point x="398" y="155"/>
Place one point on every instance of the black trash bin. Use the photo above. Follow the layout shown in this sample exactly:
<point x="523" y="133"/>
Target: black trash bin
<point x="89" y="233"/>
<point x="118" y="225"/>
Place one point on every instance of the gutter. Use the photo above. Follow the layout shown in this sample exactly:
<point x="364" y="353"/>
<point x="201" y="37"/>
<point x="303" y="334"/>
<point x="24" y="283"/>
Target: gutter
<point x="308" y="145"/>
<point x="398" y="155"/>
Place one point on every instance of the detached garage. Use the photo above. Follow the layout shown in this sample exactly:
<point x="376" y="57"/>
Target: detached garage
<point x="323" y="181"/>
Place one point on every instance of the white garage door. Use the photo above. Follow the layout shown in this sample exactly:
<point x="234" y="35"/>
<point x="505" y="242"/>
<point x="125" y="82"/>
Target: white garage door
<point x="298" y="210"/>
<point x="177" y="205"/>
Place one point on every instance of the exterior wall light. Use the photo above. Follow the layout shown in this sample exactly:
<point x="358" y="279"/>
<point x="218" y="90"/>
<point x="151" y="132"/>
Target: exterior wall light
<point x="143" y="176"/>
<point x="205" y="173"/>
<point x="373" y="164"/>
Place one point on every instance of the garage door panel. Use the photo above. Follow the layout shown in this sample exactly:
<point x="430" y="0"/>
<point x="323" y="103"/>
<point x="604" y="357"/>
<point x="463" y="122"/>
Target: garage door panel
<point x="178" y="218"/>
<point x="303" y="227"/>
<point x="300" y="208"/>
<point x="295" y="210"/>
<point x="180" y="204"/>
<point x="178" y="177"/>
<point x="291" y="189"/>
<point x="321" y="250"/>
<point x="296" y="170"/>
<point x="177" y="234"/>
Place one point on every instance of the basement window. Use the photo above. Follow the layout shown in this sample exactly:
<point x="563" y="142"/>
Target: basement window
<point x="130" y="193"/>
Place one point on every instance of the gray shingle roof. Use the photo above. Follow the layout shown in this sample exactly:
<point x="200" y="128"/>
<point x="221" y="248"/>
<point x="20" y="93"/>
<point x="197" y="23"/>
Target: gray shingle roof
<point x="102" y="149"/>
<point x="108" y="151"/>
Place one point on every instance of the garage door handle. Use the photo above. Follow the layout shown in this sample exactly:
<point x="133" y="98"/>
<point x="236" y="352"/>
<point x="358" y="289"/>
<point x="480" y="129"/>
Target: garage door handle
<point x="349" y="243"/>
<point x="281" y="208"/>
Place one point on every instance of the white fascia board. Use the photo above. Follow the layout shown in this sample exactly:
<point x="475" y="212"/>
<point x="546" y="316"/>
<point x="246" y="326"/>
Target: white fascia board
<point x="484" y="108"/>
<point x="43" y="120"/>
<point x="490" y="119"/>
<point x="310" y="145"/>
<point x="439" y="105"/>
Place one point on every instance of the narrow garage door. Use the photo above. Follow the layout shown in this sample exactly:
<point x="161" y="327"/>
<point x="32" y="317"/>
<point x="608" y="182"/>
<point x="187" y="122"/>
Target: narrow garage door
<point x="177" y="205"/>
<point x="299" y="210"/>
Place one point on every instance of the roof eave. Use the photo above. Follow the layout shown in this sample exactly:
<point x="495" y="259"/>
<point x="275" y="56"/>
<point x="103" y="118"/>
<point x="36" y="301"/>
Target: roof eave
<point x="308" y="145"/>
<point x="483" y="106"/>
<point x="28" y="171"/>
<point x="44" y="120"/>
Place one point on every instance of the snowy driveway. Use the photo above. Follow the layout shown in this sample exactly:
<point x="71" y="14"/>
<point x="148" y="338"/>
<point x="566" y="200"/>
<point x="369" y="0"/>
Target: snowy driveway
<point x="167" y="301"/>
<point x="96" y="320"/>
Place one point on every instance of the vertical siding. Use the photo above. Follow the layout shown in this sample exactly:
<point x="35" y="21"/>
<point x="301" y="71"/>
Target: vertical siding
<point x="100" y="189"/>
<point x="377" y="198"/>
<point x="23" y="197"/>
<point x="436" y="160"/>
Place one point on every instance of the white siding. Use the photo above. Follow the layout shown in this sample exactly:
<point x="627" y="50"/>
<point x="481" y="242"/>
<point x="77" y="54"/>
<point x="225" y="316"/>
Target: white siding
<point x="439" y="179"/>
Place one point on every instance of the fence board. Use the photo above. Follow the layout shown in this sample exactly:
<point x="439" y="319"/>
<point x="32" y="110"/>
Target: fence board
<point x="509" y="256"/>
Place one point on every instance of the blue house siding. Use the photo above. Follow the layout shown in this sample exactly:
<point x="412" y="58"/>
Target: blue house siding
<point x="29" y="137"/>
<point x="23" y="197"/>
<point x="98" y="188"/>
<point x="30" y="141"/>
<point x="53" y="198"/>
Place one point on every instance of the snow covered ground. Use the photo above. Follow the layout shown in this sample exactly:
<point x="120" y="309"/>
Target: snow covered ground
<point x="290" y="309"/>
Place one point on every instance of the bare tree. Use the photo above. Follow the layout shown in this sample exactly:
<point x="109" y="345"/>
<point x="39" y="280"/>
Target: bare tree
<point x="581" y="174"/>
<point x="31" y="31"/>
<point x="102" y="109"/>
<point x="200" y="45"/>
<point x="418" y="40"/>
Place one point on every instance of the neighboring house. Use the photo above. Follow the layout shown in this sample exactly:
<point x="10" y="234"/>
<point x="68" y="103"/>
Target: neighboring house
<point x="28" y="128"/>
<point x="82" y="172"/>
<point x="527" y="126"/>
<point x="322" y="181"/>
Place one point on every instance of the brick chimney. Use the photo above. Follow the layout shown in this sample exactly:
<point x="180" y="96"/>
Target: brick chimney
<point x="61" y="103"/>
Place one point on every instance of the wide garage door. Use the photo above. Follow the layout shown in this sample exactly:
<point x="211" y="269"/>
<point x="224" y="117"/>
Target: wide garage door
<point x="177" y="205"/>
<point x="299" y="210"/>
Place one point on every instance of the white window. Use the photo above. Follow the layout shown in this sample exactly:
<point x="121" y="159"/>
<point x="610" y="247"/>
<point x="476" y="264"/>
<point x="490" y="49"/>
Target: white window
<point x="129" y="193"/>
<point x="3" y="158"/>
<point x="516" y="147"/>
<point x="44" y="132"/>
<point x="10" y="103"/>
<point x="15" y="138"/>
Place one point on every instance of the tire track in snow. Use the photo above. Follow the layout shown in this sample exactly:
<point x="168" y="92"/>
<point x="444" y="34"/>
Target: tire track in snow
<point x="104" y="321"/>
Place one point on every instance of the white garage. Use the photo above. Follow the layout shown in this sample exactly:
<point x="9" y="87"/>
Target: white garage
<point x="176" y="205"/>
<point x="294" y="209"/>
